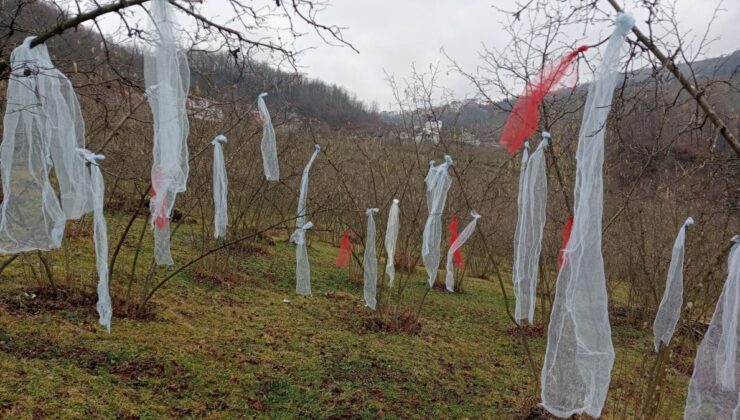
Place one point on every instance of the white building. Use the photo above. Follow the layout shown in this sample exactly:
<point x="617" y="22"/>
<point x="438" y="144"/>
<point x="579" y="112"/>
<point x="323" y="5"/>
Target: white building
<point x="430" y="131"/>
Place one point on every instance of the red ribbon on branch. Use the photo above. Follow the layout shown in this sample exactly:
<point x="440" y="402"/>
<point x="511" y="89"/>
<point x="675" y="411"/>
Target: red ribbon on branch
<point x="161" y="219"/>
<point x="567" y="229"/>
<point x="345" y="250"/>
<point x="457" y="257"/>
<point x="525" y="116"/>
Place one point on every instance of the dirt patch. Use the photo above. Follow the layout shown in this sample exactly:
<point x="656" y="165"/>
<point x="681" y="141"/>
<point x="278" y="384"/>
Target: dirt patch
<point x="124" y="203"/>
<point x="40" y="348"/>
<point x="339" y="295"/>
<point x="537" y="413"/>
<point x="132" y="370"/>
<point x="405" y="262"/>
<point x="136" y="372"/>
<point x="530" y="331"/>
<point x="628" y="316"/>
<point x="78" y="230"/>
<point x="439" y="285"/>
<point x="405" y="323"/>
<point x="138" y="368"/>
<point x="221" y="278"/>
<point x="29" y="348"/>
<point x="250" y="248"/>
<point x="257" y="405"/>
<point x="38" y="300"/>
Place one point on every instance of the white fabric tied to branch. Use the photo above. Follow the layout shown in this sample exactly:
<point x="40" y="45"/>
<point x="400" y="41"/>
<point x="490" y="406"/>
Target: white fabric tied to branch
<point x="220" y="188"/>
<point x="268" y="146"/>
<point x="438" y="183"/>
<point x="391" y="237"/>
<point x="579" y="356"/>
<point x="302" y="267"/>
<point x="457" y="244"/>
<point x="303" y="271"/>
<point x="303" y="194"/>
<point x="162" y="251"/>
<point x="31" y="217"/>
<point x="57" y="103"/>
<point x="713" y="389"/>
<point x="67" y="130"/>
<point x="167" y="79"/>
<point x="370" y="262"/>
<point x="100" y="233"/>
<point x="670" y="305"/>
<point x="532" y="203"/>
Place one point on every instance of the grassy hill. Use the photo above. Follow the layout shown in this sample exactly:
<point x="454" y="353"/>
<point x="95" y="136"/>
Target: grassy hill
<point x="222" y="343"/>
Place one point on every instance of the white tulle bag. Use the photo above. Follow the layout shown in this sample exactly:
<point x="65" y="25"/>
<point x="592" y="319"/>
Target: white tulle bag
<point x="457" y="244"/>
<point x="532" y="202"/>
<point x="370" y="262"/>
<point x="302" y="210"/>
<point x="268" y="145"/>
<point x="58" y="104"/>
<point x="713" y="390"/>
<point x="438" y="183"/>
<point x="100" y="233"/>
<point x="303" y="270"/>
<point x="302" y="266"/>
<point x="579" y="356"/>
<point x="167" y="79"/>
<point x="220" y="188"/>
<point x="391" y="237"/>
<point x="670" y="305"/>
<point x="64" y="118"/>
<point x="36" y="114"/>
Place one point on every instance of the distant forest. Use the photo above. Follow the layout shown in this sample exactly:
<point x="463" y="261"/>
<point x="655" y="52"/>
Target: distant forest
<point x="215" y="75"/>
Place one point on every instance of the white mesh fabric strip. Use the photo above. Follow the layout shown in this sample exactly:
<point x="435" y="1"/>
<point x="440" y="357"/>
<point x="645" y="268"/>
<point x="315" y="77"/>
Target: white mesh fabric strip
<point x="303" y="272"/>
<point x="162" y="251"/>
<point x="100" y="234"/>
<point x="63" y="124"/>
<point x="438" y="183"/>
<point x="461" y="239"/>
<point x="713" y="391"/>
<point x="31" y="217"/>
<point x="64" y="116"/>
<point x="370" y="262"/>
<point x="302" y="269"/>
<point x="579" y="356"/>
<point x="725" y="365"/>
<point x="516" y="271"/>
<point x="167" y="79"/>
<point x="220" y="188"/>
<point x="391" y="237"/>
<point x="670" y="305"/>
<point x="303" y="194"/>
<point x="532" y="203"/>
<point x="268" y="146"/>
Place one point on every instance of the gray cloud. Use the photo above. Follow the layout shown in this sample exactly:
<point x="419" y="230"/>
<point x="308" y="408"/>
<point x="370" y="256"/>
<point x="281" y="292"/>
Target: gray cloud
<point x="392" y="34"/>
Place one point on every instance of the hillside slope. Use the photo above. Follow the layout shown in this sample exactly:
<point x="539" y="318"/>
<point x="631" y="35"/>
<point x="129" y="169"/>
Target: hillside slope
<point x="222" y="343"/>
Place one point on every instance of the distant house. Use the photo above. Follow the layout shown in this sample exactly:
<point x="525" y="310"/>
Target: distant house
<point x="470" y="139"/>
<point x="429" y="131"/>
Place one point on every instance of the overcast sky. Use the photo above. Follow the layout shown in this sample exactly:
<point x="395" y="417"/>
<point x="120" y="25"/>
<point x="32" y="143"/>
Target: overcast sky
<point x="392" y="34"/>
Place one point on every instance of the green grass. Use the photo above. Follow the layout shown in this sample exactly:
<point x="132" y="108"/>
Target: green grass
<point x="236" y="350"/>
